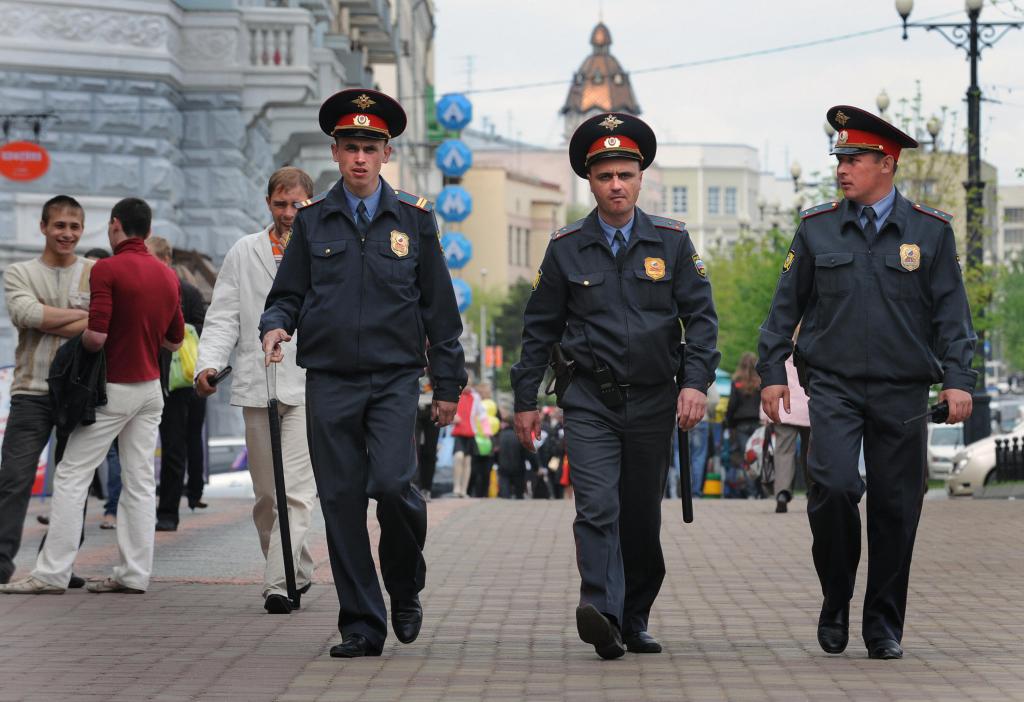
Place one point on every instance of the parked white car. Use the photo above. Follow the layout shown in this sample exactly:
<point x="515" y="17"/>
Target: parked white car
<point x="944" y="442"/>
<point x="975" y="465"/>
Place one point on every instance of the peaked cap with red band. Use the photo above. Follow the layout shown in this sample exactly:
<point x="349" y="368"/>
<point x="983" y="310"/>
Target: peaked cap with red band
<point x="859" y="132"/>
<point x="361" y="112"/>
<point x="611" y="135"/>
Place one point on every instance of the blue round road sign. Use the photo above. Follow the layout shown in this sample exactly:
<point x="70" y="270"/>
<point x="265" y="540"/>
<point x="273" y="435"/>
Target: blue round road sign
<point x="454" y="111"/>
<point x="463" y="294"/>
<point x="458" y="250"/>
<point x="454" y="203"/>
<point x="453" y="158"/>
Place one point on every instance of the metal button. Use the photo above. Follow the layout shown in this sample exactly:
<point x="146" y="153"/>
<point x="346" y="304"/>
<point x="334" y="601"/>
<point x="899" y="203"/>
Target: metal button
<point x="586" y="282"/>
<point x="327" y="250"/>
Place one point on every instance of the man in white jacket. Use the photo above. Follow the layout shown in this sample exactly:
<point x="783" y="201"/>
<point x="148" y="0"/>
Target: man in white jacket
<point x="232" y="322"/>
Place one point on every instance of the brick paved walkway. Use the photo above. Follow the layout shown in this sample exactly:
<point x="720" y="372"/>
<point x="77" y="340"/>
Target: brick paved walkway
<point x="736" y="615"/>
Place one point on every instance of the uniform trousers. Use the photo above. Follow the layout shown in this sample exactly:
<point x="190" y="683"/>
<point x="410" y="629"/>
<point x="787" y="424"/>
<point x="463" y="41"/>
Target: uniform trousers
<point x="132" y="416"/>
<point x="844" y="412"/>
<point x="362" y="443"/>
<point x="300" y="488"/>
<point x="619" y="460"/>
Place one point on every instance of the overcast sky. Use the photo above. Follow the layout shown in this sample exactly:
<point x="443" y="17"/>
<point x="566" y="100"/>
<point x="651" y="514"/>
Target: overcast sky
<point x="774" y="102"/>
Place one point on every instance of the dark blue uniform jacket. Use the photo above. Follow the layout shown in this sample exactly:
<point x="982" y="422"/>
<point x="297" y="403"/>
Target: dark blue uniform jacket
<point x="631" y="318"/>
<point x="365" y="306"/>
<point x="890" y="309"/>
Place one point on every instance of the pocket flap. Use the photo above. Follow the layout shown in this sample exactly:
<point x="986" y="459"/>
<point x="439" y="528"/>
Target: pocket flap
<point x="642" y="275"/>
<point x="832" y="260"/>
<point x="586" y="279"/>
<point x="326" y="249"/>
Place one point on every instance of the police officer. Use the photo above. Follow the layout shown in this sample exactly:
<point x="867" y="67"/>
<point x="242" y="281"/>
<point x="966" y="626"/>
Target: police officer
<point x="612" y="289"/>
<point x="876" y="280"/>
<point x="364" y="280"/>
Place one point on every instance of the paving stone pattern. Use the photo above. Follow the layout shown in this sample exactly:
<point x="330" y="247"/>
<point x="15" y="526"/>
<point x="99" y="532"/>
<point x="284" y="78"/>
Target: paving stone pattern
<point x="736" y="616"/>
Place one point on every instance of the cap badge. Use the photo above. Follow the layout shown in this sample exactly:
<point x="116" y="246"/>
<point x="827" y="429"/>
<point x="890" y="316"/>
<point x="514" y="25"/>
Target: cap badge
<point x="399" y="243"/>
<point x="363" y="101"/>
<point x="611" y="122"/>
<point x="655" y="268"/>
<point x="699" y="265"/>
<point x="612" y="143"/>
<point x="361" y="121"/>
<point x="844" y="136"/>
<point x="841" y="118"/>
<point x="910" y="256"/>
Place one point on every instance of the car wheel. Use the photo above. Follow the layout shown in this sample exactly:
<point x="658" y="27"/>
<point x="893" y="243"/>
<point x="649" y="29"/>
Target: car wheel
<point x="990" y="477"/>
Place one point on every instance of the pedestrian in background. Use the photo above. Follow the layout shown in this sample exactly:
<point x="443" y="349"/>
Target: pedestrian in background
<point x="48" y="302"/>
<point x="134" y="309"/>
<point x="512" y="460"/>
<point x="365" y="283"/>
<point x="795" y="425"/>
<point x="877" y="282"/>
<point x="232" y="326"/>
<point x="464" y="431"/>
<point x="613" y="290"/>
<point x="742" y="419"/>
<point x="182" y="447"/>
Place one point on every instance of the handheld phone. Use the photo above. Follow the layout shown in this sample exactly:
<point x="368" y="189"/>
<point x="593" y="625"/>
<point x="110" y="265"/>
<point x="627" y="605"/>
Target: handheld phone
<point x="220" y="376"/>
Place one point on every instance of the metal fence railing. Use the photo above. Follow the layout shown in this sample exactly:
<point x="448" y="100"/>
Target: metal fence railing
<point x="1009" y="460"/>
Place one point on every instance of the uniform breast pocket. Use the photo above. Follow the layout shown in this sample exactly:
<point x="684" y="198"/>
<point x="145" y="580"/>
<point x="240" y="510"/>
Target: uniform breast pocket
<point x="327" y="261"/>
<point x="398" y="262"/>
<point x="587" y="291"/>
<point x="654" y="294"/>
<point x="834" y="273"/>
<point x="900" y="283"/>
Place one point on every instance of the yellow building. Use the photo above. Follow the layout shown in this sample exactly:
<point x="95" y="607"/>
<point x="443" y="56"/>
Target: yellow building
<point x="510" y="226"/>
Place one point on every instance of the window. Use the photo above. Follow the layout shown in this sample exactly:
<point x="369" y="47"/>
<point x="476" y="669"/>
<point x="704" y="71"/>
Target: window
<point x="1013" y="214"/>
<point x="714" y="195"/>
<point x="730" y="201"/>
<point x="679" y="198"/>
<point x="511" y="245"/>
<point x="1013" y="236"/>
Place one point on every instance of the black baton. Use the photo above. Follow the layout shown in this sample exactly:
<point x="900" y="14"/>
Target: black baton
<point x="279" y="488"/>
<point x="938" y="414"/>
<point x="685" y="483"/>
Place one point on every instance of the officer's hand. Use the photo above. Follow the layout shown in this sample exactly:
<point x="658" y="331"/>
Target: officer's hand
<point x="442" y="412"/>
<point x="690" y="408"/>
<point x="203" y="387"/>
<point x="770" y="396"/>
<point x="272" y="351"/>
<point x="528" y="426"/>
<point x="960" y="405"/>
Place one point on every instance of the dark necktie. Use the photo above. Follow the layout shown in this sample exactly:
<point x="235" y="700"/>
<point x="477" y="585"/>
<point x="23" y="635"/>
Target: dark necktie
<point x="362" y="219"/>
<point x="870" y="229"/>
<point x="620" y="250"/>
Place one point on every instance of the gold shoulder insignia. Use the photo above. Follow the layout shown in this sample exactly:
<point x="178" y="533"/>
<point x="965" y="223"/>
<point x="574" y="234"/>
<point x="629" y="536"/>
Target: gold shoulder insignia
<point x="311" y="201"/>
<point x="937" y="214"/>
<point x="414" y="200"/>
<point x="567" y="230"/>
<point x="819" y="209"/>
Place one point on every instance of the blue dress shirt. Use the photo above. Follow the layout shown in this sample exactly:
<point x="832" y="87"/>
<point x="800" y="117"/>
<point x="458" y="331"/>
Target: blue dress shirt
<point x="371" y="201"/>
<point x="882" y="209"/>
<point x="609" y="231"/>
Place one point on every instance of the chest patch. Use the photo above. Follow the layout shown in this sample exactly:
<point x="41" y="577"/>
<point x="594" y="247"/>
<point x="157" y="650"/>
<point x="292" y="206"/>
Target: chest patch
<point x="910" y="256"/>
<point x="655" y="268"/>
<point x="399" y="243"/>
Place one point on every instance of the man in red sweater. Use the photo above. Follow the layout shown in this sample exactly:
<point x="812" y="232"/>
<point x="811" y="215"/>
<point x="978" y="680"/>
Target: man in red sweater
<point x="134" y="310"/>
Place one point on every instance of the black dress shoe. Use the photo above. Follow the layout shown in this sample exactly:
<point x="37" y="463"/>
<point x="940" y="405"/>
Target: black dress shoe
<point x="198" y="504"/>
<point x="354" y="646"/>
<point x="600" y="632"/>
<point x="884" y="649"/>
<point x="43" y="518"/>
<point x="76" y="582"/>
<point x="166" y="525"/>
<point x="834" y="629"/>
<point x="278" y="604"/>
<point x="641" y="642"/>
<point x="406" y="619"/>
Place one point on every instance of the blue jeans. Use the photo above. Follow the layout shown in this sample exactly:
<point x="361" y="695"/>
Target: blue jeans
<point x="113" y="480"/>
<point x="698" y="456"/>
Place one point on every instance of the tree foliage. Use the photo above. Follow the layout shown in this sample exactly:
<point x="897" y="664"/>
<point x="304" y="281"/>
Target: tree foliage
<point x="1008" y="314"/>
<point x="743" y="279"/>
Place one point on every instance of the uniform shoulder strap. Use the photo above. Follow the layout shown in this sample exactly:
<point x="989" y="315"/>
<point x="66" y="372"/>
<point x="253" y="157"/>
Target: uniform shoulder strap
<point x="568" y="229"/>
<point x="414" y="200"/>
<point x="666" y="223"/>
<point x="819" y="209"/>
<point x="311" y="201"/>
<point x="931" y="211"/>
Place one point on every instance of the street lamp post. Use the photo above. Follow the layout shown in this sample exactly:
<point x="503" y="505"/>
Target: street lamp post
<point x="972" y="37"/>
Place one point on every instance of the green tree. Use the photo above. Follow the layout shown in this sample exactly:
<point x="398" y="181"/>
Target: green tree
<point x="1008" y="314"/>
<point x="743" y="279"/>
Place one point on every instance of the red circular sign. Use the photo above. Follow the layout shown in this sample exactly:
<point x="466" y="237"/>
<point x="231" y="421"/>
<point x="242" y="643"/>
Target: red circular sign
<point x="23" y="160"/>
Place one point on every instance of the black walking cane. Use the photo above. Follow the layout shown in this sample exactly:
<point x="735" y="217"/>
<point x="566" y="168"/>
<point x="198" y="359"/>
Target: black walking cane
<point x="685" y="484"/>
<point x="279" y="487"/>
